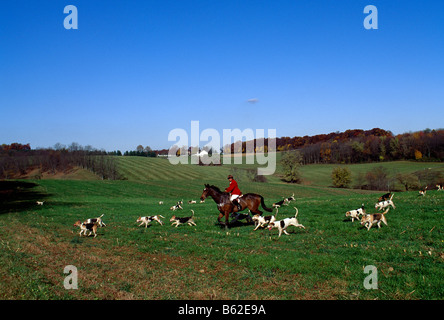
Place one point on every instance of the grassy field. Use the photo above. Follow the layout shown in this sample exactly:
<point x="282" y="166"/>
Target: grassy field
<point x="142" y="169"/>
<point x="324" y="261"/>
<point x="160" y="169"/>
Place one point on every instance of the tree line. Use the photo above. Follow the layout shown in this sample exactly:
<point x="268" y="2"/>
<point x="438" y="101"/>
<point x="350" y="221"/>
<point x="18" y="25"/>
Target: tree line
<point x="141" y="152"/>
<point x="358" y="146"/>
<point x="19" y="159"/>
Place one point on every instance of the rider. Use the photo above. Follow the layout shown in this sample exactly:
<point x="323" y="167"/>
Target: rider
<point x="235" y="192"/>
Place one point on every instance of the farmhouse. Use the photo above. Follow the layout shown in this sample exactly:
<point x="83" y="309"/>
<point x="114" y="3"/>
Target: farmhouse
<point x="203" y="153"/>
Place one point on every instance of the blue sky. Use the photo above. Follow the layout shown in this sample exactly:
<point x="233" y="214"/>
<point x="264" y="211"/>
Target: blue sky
<point x="135" y="70"/>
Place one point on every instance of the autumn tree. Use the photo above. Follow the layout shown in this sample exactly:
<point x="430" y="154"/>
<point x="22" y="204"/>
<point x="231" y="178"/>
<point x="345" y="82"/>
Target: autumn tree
<point x="291" y="161"/>
<point x="408" y="180"/>
<point x="341" y="177"/>
<point x="378" y="179"/>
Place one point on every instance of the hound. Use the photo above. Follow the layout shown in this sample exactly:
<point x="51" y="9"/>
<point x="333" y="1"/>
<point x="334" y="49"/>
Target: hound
<point x="91" y="227"/>
<point x="354" y="214"/>
<point x="177" y="220"/>
<point x="375" y="218"/>
<point x="384" y="197"/>
<point x="260" y="221"/>
<point x="192" y="201"/>
<point x="385" y="204"/>
<point x="97" y="221"/>
<point x="291" y="198"/>
<point x="176" y="207"/>
<point x="439" y="187"/>
<point x="423" y="192"/>
<point x="160" y="202"/>
<point x="282" y="225"/>
<point x="146" y="220"/>
<point x="40" y="203"/>
<point x="283" y="202"/>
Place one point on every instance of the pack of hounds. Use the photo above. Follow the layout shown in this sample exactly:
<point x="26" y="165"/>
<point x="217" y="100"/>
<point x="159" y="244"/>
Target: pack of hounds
<point x="367" y="220"/>
<point x="385" y="202"/>
<point x="89" y="227"/>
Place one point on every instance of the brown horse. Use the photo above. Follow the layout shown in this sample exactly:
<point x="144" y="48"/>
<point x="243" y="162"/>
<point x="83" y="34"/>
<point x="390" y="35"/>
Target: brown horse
<point x="225" y="206"/>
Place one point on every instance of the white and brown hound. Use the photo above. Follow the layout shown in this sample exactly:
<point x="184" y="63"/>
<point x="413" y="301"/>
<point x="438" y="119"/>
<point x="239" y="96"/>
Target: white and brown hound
<point x="282" y="225"/>
<point x="384" y="204"/>
<point x="354" y="214"/>
<point x="147" y="219"/>
<point x="97" y="221"/>
<point x="91" y="227"/>
<point x="178" y="220"/>
<point x="374" y="218"/>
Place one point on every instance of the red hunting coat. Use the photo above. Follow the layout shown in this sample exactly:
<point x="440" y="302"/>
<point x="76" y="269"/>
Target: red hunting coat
<point x="233" y="188"/>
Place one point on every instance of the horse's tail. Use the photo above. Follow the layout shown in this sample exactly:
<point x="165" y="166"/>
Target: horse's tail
<point x="264" y="206"/>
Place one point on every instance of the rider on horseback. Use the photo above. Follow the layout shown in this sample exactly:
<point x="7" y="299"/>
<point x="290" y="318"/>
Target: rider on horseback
<point x="235" y="192"/>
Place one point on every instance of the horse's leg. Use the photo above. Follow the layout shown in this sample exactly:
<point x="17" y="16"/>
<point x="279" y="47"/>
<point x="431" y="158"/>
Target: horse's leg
<point x="249" y="219"/>
<point x="220" y="217"/>
<point x="227" y="213"/>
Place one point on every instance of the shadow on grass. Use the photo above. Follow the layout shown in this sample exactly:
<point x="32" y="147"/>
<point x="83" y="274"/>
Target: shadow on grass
<point x="236" y="221"/>
<point x="17" y="196"/>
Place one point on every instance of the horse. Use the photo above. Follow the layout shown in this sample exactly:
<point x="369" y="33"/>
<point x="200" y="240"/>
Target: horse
<point x="225" y="206"/>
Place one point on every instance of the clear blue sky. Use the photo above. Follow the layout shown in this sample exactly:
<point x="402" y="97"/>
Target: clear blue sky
<point x="134" y="70"/>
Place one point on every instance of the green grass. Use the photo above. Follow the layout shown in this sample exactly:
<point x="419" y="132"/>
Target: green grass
<point x="324" y="261"/>
<point x="160" y="169"/>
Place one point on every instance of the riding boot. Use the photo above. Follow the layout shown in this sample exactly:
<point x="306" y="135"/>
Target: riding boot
<point x="237" y="204"/>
